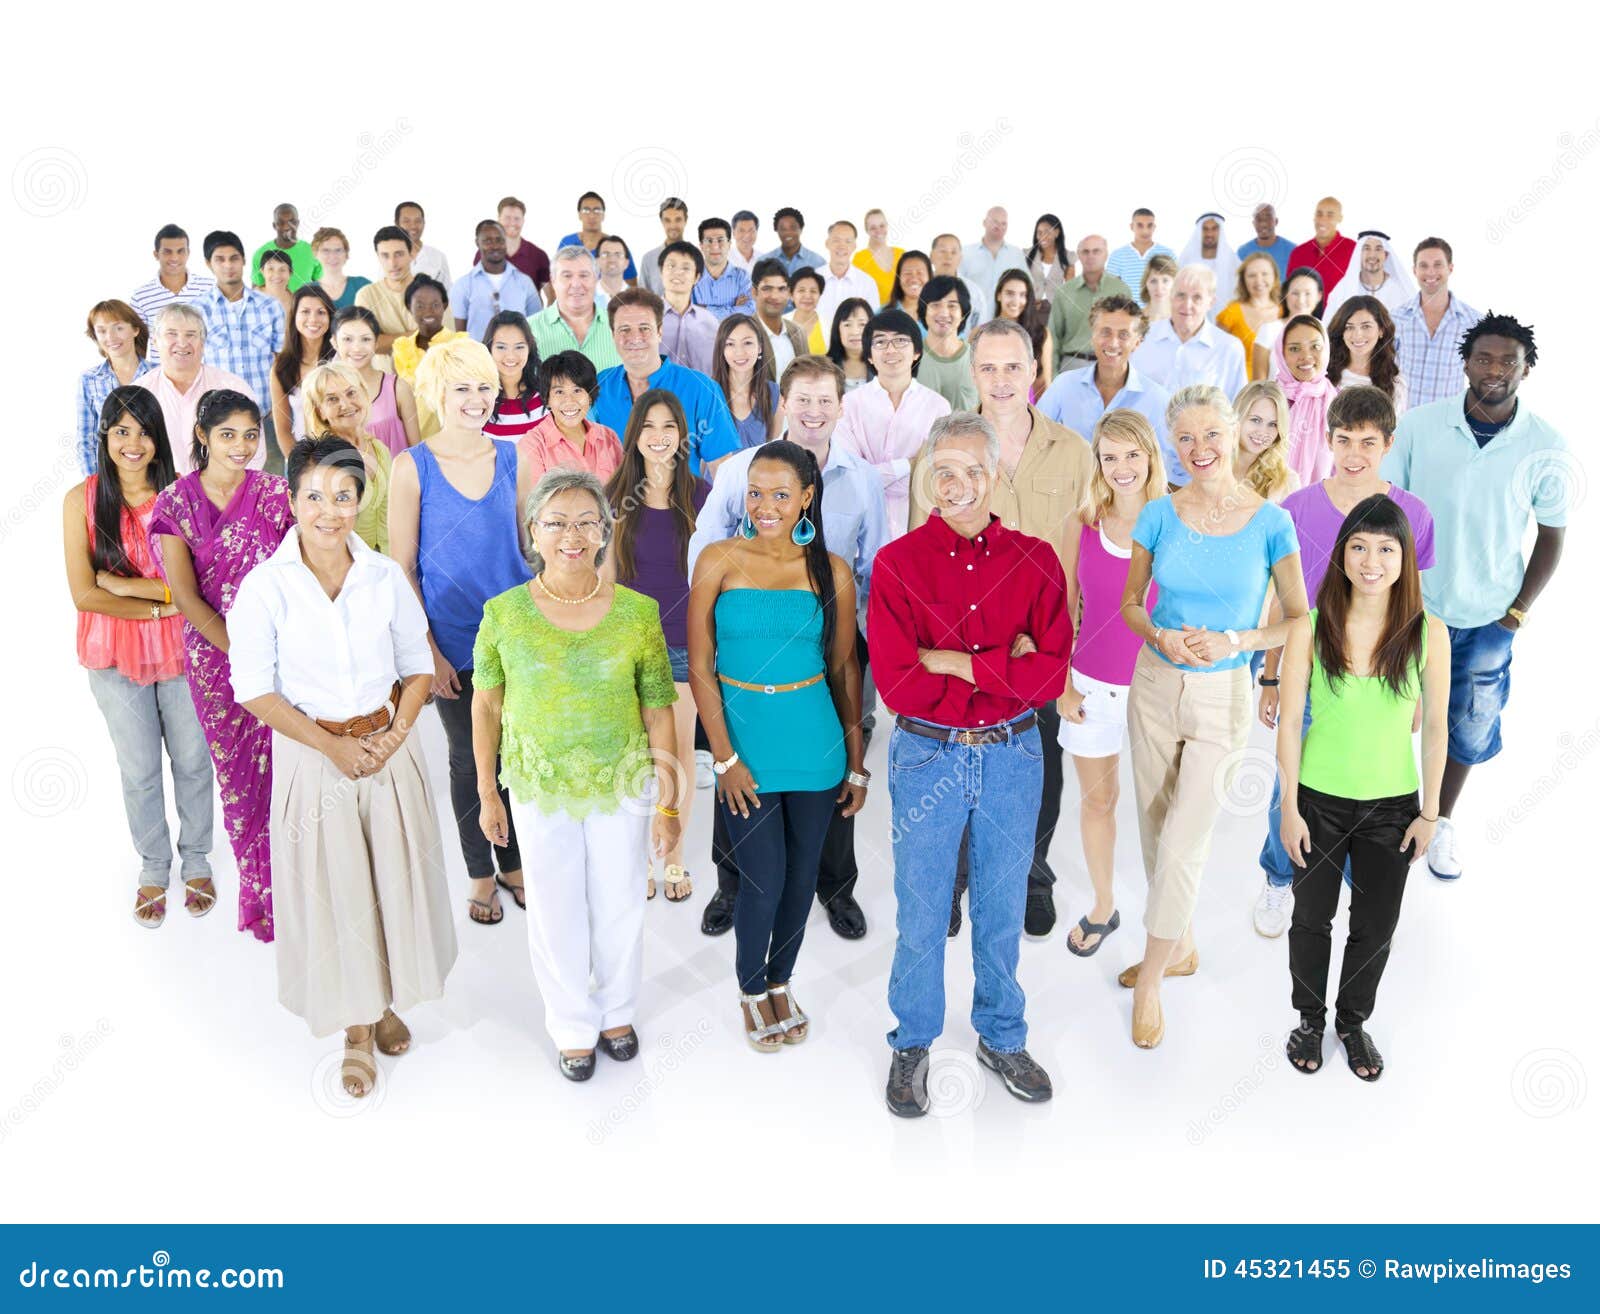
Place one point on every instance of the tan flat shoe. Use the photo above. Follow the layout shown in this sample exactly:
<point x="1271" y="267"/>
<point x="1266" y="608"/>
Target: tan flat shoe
<point x="359" y="1071"/>
<point x="1129" y="976"/>
<point x="1147" y="1031"/>
<point x="394" y="1036"/>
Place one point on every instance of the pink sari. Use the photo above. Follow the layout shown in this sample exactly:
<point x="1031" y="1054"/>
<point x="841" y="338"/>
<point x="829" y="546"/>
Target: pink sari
<point x="226" y="546"/>
<point x="1308" y="453"/>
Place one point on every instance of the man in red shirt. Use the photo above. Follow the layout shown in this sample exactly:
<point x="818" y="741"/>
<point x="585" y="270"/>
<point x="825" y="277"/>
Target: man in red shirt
<point x="968" y="630"/>
<point x="1329" y="251"/>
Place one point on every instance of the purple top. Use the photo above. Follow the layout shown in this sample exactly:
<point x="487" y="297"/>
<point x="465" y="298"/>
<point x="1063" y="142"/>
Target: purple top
<point x="1104" y="647"/>
<point x="657" y="574"/>
<point x="1317" y="522"/>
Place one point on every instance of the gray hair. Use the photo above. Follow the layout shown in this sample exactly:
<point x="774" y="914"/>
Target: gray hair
<point x="1198" y="273"/>
<point x="1197" y="397"/>
<point x="182" y="311"/>
<point x="577" y="251"/>
<point x="998" y="328"/>
<point x="567" y="479"/>
<point x="963" y="424"/>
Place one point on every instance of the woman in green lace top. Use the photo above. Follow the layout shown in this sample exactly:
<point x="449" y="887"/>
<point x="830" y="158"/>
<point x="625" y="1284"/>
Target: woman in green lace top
<point x="572" y="688"/>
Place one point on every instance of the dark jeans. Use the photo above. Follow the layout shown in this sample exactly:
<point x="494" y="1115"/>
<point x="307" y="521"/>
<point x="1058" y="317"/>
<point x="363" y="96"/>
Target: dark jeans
<point x="476" y="851"/>
<point x="776" y="849"/>
<point x="1368" y="833"/>
<point x="1039" y="872"/>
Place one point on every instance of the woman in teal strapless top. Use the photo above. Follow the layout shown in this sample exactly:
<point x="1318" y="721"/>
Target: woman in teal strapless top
<point x="778" y="689"/>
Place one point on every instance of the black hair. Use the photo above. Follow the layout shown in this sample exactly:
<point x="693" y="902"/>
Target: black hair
<point x="938" y="288"/>
<point x="346" y="314"/>
<point x="818" y="566"/>
<point x="810" y="273"/>
<point x="707" y="224"/>
<point x="847" y="307"/>
<point x="169" y="233"/>
<point x="326" y="450"/>
<point x="613" y="237"/>
<point x="672" y="203"/>
<point x="273" y="256"/>
<point x="409" y="205"/>
<point x="1145" y="210"/>
<point x="590" y="196"/>
<point x="286" y="364"/>
<point x="423" y="281"/>
<point x="486" y="223"/>
<point x="893" y="320"/>
<point x="392" y="233"/>
<point x="789" y="212"/>
<point x="106" y="549"/>
<point x="1501" y="326"/>
<point x="530" y="368"/>
<point x="765" y="268"/>
<point x="1306" y="271"/>
<point x="215" y="407"/>
<point x="739" y="216"/>
<point x="682" y="248"/>
<point x="219" y="238"/>
<point x="1063" y="256"/>
<point x="573" y="365"/>
<point x="897" y="293"/>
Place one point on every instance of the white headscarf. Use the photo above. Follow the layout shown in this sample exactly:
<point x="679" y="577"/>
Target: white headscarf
<point x="1397" y="287"/>
<point x="1225" y="264"/>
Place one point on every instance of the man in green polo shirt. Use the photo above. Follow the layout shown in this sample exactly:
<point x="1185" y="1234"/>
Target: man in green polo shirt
<point x="1069" y="309"/>
<point x="304" y="266"/>
<point x="570" y="322"/>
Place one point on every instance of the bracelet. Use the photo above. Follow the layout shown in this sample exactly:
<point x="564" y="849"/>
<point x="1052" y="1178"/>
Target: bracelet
<point x="167" y="600"/>
<point x="861" y="778"/>
<point x="1268" y="682"/>
<point x="155" y="611"/>
<point x="666" y="812"/>
<point x="1429" y="820"/>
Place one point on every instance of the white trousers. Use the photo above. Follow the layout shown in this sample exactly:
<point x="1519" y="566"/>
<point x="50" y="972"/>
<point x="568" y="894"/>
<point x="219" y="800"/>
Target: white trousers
<point x="585" y="918"/>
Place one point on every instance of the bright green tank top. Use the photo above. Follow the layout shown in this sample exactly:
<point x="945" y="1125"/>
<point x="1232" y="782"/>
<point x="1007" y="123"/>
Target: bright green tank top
<point x="1359" y="743"/>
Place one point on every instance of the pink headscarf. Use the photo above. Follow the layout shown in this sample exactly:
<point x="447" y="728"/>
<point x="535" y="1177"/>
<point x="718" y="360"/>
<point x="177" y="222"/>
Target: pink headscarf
<point x="1308" y="455"/>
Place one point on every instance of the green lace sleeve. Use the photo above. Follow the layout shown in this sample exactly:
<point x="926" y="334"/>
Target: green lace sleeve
<point x="487" y="671"/>
<point x="653" y="675"/>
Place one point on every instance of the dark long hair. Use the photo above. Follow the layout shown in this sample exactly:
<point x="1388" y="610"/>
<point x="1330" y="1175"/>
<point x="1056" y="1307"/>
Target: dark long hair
<point x="761" y="378"/>
<point x="625" y="490"/>
<point x="530" y="369"/>
<point x="847" y="307"/>
<point x="1035" y="317"/>
<point x="1399" y="650"/>
<point x="286" y="368"/>
<point x="140" y="405"/>
<point x="818" y="567"/>
<point x="1063" y="260"/>
<point x="1385" y="358"/>
<point x="215" y="407"/>
<point x="1305" y="271"/>
<point x="897" y="294"/>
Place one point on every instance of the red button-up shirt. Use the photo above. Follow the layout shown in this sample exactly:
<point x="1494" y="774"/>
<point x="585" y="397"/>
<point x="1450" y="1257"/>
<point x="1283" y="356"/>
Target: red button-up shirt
<point x="933" y="588"/>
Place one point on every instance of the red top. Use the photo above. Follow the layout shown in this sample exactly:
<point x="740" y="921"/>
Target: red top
<point x="1332" y="264"/>
<point x="144" y="650"/>
<point x="932" y="588"/>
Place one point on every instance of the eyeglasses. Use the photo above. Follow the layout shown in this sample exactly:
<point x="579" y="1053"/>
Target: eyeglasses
<point x="898" y="342"/>
<point x="558" y="528"/>
<point x="591" y="209"/>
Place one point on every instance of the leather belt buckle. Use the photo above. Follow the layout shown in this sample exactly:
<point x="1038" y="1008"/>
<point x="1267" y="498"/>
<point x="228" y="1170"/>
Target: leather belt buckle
<point x="968" y="738"/>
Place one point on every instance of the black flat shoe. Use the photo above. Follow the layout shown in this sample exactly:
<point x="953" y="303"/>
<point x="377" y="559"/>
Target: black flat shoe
<point x="718" y="917"/>
<point x="1022" y="1076"/>
<point x="622" y="1048"/>
<point x="907" y="1089"/>
<point x="955" y="908"/>
<point x="846" y="917"/>
<point x="1040" y="918"/>
<point x="579" y="1068"/>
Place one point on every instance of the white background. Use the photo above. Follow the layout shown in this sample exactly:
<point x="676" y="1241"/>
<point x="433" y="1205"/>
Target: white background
<point x="148" y="1076"/>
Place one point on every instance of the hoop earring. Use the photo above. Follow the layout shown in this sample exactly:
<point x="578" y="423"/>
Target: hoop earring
<point x="804" y="531"/>
<point x="747" y="527"/>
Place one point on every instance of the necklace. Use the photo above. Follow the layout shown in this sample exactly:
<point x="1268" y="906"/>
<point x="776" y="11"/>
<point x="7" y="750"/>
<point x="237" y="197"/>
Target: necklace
<point x="556" y="597"/>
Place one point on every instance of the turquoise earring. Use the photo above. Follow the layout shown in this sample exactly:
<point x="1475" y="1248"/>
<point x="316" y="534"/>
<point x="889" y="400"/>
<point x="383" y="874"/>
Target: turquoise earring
<point x="804" y="531"/>
<point x="747" y="527"/>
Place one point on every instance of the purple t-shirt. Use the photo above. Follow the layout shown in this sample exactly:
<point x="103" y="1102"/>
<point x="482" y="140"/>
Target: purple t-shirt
<point x="657" y="573"/>
<point x="1317" y="523"/>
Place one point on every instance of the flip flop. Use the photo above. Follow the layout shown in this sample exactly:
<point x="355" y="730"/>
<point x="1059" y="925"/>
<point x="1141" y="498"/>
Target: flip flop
<point x="1102" y="929"/>
<point x="518" y="895"/>
<point x="487" y="905"/>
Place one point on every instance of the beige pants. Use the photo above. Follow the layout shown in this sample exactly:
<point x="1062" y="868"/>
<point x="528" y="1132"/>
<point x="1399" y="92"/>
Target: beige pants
<point x="1186" y="729"/>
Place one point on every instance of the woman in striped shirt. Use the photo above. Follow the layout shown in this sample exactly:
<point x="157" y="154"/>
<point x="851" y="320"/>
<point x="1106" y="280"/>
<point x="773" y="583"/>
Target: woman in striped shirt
<point x="516" y="359"/>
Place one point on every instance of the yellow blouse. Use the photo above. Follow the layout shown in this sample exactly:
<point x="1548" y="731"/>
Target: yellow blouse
<point x="372" y="521"/>
<point x="1231" y="317"/>
<point x="407" y="357"/>
<point x="867" y="263"/>
<point x="815" y="341"/>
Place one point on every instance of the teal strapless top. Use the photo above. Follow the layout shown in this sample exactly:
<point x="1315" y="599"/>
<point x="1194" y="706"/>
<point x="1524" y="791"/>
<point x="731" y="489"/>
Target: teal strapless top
<point x="793" y="740"/>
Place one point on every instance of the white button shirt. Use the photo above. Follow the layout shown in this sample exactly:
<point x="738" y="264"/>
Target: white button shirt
<point x="835" y="291"/>
<point x="1212" y="355"/>
<point x="333" y="658"/>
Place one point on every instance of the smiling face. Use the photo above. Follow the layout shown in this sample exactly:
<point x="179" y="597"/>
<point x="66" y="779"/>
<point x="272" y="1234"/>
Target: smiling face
<point x="427" y="308"/>
<point x="944" y="315"/>
<point x="345" y="409"/>
<point x="130" y="447"/>
<point x="660" y="438"/>
<point x="569" y="531"/>
<point x="275" y="275"/>
<point x="115" y="337"/>
<point x="806" y="294"/>
<point x="172" y="257"/>
<point x="354" y="344"/>
<point x="1210" y="233"/>
<point x="744" y="233"/>
<point x="1372" y="562"/>
<point x="678" y="274"/>
<point x="326" y="506"/>
<point x="789" y="234"/>
<point x="311" y="320"/>
<point x="1305" y="351"/>
<point x="841" y="243"/>
<point x="1003" y="368"/>
<point x="892" y="357"/>
<point x="1123" y="464"/>
<point x="851" y="327"/>
<point x="914" y="276"/>
<point x="612" y="258"/>
<point x="1326" y="219"/>
<point x="877" y="229"/>
<point x="813" y="407"/>
<point x="1361" y="334"/>
<point x="1265" y="222"/>
<point x="492" y="247"/>
<point x="742" y="351"/>
<point x="1204" y="441"/>
<point x="231" y="442"/>
<point x="1115" y="337"/>
<point x="286" y="225"/>
<point x="673" y="223"/>
<point x="410" y="219"/>
<point x="1301" y="296"/>
<point x="1260" y="428"/>
<point x="1044" y="235"/>
<point x="995" y="225"/>
<point x="574" y="284"/>
<point x="511" y="217"/>
<point x="332" y="255"/>
<point x="1495" y="369"/>
<point x="638" y="339"/>
<point x="946" y="256"/>
<point x="774" y="498"/>
<point x="182" y="343"/>
<point x="962" y="481"/>
<point x="468" y="403"/>
<point x="1259" y="276"/>
<point x="1432" y="269"/>
<point x="1373" y="255"/>
<point x="568" y="402"/>
<point x="1191" y="303"/>
<point x="394" y="260"/>
<point x="1014" y="298"/>
<point x="772" y="295"/>
<point x="509" y="350"/>
<point x="1357" y="453"/>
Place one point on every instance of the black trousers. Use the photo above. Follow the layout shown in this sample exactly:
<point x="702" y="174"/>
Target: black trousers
<point x="1369" y="832"/>
<point x="480" y="856"/>
<point x="777" y="845"/>
<point x="1040" y="873"/>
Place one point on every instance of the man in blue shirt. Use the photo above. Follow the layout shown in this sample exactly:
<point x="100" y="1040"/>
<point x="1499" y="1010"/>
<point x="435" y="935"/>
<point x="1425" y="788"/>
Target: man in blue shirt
<point x="591" y="228"/>
<point x="790" y="225"/>
<point x="1128" y="262"/>
<point x="723" y="287"/>
<point x="244" y="328"/>
<point x="492" y="285"/>
<point x="636" y="316"/>
<point x="1267" y="240"/>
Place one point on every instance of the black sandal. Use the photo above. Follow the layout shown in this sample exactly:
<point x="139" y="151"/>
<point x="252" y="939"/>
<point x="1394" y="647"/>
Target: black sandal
<point x="1102" y="929"/>
<point x="1304" y="1047"/>
<point x="518" y="894"/>
<point x="1360" y="1052"/>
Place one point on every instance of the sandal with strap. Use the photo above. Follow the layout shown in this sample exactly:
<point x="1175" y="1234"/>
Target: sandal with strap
<point x="768" y="1039"/>
<point x="393" y="1035"/>
<point x="1088" y="928"/>
<point x="519" y="896"/>
<point x="143" y="904"/>
<point x="1360" y="1052"/>
<point x="650" y="882"/>
<point x="359" y="1071"/>
<point x="673" y="877"/>
<point x="796" y="1026"/>
<point x="1304" y="1048"/>
<point x="194" y="896"/>
<point x="498" y="914"/>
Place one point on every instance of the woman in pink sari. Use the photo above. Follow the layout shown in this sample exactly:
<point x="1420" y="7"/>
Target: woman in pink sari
<point x="1299" y="362"/>
<point x="208" y="530"/>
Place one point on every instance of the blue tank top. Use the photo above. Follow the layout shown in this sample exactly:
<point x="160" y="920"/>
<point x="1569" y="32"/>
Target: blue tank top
<point x="788" y="740"/>
<point x="467" y="551"/>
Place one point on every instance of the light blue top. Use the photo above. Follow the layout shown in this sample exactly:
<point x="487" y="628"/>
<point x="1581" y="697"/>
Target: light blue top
<point x="476" y="300"/>
<point x="1212" y="581"/>
<point x="1073" y="399"/>
<point x="1280" y="250"/>
<point x="789" y="740"/>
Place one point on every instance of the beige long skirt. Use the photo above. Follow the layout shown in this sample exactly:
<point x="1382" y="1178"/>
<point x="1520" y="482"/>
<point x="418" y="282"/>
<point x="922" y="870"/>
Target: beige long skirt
<point x="358" y="888"/>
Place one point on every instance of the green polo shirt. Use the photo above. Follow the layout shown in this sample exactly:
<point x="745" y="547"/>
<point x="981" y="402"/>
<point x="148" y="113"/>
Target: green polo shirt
<point x="1069" y="316"/>
<point x="553" y="334"/>
<point x="304" y="267"/>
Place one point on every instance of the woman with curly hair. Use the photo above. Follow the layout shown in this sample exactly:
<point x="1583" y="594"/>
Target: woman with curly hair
<point x="1262" y="460"/>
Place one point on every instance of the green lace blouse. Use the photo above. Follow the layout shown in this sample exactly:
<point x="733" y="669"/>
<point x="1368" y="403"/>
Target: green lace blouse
<point x="572" y="736"/>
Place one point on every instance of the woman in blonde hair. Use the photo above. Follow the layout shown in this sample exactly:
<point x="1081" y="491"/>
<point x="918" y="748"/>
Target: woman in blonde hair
<point x="454" y="525"/>
<point x="877" y="259"/>
<point x="336" y="403"/>
<point x="1257" y="300"/>
<point x="1128" y="472"/>
<point x="1262" y="460"/>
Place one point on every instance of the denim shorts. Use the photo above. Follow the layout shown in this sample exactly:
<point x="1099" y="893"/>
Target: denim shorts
<point x="1480" y="683"/>
<point x="679" y="657"/>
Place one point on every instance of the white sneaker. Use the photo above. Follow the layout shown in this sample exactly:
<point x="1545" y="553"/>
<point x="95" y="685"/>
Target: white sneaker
<point x="1274" y="908"/>
<point x="1442" y="860"/>
<point x="704" y="776"/>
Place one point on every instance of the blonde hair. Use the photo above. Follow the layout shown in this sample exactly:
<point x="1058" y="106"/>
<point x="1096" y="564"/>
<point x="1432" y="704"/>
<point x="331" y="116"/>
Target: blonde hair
<point x="1241" y="293"/>
<point x="461" y="360"/>
<point x="319" y="385"/>
<point x="1126" y="426"/>
<point x="1269" y="473"/>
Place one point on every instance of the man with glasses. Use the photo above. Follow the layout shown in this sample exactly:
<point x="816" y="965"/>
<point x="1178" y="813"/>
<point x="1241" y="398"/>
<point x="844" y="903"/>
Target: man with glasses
<point x="674" y="216"/>
<point x="591" y="228"/>
<point x="723" y="287"/>
<point x="571" y="322"/>
<point x="492" y="285"/>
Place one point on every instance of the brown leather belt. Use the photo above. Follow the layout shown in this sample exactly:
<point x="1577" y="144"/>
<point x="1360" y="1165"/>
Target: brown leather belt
<point x="989" y="734"/>
<point x="773" y="688"/>
<point x="370" y="724"/>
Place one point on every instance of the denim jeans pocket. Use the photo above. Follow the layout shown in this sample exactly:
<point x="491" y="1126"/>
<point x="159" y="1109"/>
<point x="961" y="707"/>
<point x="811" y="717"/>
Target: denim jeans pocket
<point x="909" y="752"/>
<point x="1029" y="744"/>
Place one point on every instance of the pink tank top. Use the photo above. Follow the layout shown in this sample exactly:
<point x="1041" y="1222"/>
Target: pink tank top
<point x="1105" y="647"/>
<point x="143" y="650"/>
<point x="385" y="424"/>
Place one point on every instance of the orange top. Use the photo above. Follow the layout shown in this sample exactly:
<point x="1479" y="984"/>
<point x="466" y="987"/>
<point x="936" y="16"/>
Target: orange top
<point x="143" y="650"/>
<point x="1231" y="317"/>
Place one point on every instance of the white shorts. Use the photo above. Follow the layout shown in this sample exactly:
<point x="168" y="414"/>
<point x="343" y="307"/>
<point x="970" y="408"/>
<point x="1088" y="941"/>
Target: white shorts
<point x="1105" y="718"/>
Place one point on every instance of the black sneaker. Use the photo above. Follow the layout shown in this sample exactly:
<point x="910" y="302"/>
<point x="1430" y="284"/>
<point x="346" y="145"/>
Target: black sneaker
<point x="1040" y="919"/>
<point x="955" y="908"/>
<point x="846" y="917"/>
<point x="718" y="918"/>
<point x="907" y="1091"/>
<point x="1023" y="1077"/>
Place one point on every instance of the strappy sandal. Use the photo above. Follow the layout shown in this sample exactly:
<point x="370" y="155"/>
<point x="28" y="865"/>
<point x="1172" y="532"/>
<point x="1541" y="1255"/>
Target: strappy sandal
<point x="359" y="1071"/>
<point x="797" y="1026"/>
<point x="768" y="1039"/>
<point x="519" y="895"/>
<point x="676" y="876"/>
<point x="489" y="906"/>
<point x="193" y="896"/>
<point x="143" y="904"/>
<point x="1360" y="1052"/>
<point x="1102" y="929"/>
<point x="650" y="882"/>
<point x="393" y="1035"/>
<point x="1304" y="1048"/>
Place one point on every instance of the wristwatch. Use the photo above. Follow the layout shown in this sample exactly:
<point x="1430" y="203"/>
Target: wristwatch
<point x="1268" y="682"/>
<point x="722" y="768"/>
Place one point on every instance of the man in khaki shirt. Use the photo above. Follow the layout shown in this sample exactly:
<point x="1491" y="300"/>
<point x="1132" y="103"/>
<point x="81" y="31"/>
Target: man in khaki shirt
<point x="1044" y="471"/>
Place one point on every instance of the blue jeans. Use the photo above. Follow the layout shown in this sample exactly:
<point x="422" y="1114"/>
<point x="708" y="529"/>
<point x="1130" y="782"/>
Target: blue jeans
<point x="1274" y="857"/>
<point x="937" y="791"/>
<point x="679" y="659"/>
<point x="1480" y="683"/>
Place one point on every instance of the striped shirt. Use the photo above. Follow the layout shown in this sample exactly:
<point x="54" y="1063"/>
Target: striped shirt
<point x="718" y="295"/>
<point x="1431" y="366"/>
<point x="243" y="336"/>
<point x="153" y="297"/>
<point x="1128" y="265"/>
<point x="552" y="333"/>
<point x="514" y="416"/>
<point x="94" y="386"/>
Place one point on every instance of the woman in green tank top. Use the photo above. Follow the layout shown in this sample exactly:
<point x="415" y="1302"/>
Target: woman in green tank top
<point x="1366" y="656"/>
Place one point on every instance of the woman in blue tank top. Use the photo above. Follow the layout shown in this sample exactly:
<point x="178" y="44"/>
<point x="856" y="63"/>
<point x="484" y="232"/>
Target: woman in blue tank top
<point x="454" y="512"/>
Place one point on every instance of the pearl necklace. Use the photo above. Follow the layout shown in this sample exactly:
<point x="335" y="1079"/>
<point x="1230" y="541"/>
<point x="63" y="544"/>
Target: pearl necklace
<point x="570" y="602"/>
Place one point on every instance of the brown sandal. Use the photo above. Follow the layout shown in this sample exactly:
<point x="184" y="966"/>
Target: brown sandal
<point x="359" y="1071"/>
<point x="393" y="1035"/>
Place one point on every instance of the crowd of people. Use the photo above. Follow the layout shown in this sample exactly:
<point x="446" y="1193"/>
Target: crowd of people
<point x="638" y="527"/>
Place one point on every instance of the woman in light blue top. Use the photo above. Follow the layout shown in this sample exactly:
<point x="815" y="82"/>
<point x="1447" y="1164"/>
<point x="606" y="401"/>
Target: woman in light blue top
<point x="1212" y="547"/>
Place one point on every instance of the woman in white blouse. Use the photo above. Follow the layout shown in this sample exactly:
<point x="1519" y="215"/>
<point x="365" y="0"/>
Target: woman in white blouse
<point x="329" y="647"/>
